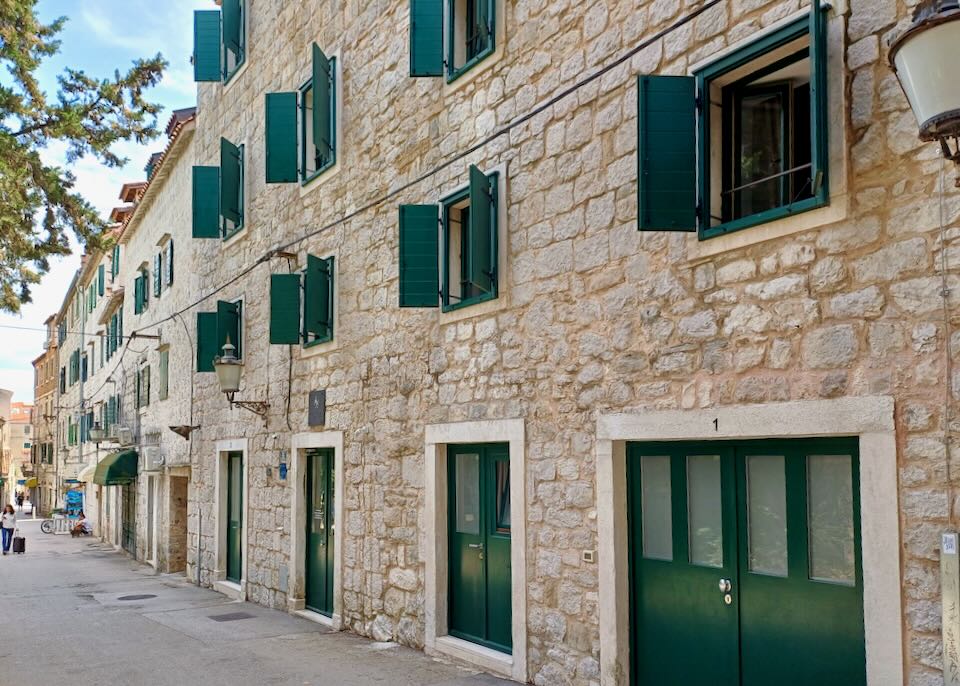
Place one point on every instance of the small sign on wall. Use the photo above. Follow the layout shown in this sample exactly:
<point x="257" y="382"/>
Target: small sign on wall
<point x="317" y="408"/>
<point x="950" y="594"/>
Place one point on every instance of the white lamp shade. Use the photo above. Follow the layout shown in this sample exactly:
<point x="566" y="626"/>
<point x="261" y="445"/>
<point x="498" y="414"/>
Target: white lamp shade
<point x="228" y="374"/>
<point x="927" y="59"/>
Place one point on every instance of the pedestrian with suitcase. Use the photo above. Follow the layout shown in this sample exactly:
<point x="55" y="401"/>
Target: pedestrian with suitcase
<point x="8" y="524"/>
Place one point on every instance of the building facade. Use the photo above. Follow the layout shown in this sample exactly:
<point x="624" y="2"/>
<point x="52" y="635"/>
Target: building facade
<point x="569" y="335"/>
<point x="20" y="432"/>
<point x="45" y="379"/>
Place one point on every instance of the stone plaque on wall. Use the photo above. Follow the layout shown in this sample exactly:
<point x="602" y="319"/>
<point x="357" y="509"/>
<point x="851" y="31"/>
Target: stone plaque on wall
<point x="950" y="591"/>
<point x="317" y="408"/>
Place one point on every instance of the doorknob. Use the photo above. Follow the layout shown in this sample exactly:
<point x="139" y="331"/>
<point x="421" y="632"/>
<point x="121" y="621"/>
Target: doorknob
<point x="725" y="585"/>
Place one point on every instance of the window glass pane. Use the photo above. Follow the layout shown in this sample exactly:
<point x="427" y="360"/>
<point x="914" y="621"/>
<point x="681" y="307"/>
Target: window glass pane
<point x="767" y="514"/>
<point x="761" y="153"/>
<point x="705" y="519"/>
<point x="830" y="518"/>
<point x="503" y="496"/>
<point x="468" y="493"/>
<point x="656" y="517"/>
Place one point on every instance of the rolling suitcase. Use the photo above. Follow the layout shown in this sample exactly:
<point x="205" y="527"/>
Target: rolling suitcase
<point x="19" y="543"/>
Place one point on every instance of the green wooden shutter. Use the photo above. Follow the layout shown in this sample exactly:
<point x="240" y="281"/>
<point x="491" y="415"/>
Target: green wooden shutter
<point x="145" y="275"/>
<point x="206" y="45"/>
<point x="164" y="375"/>
<point x="322" y="128"/>
<point x="157" y="278"/>
<point x="136" y="390"/>
<point x="281" y="137"/>
<point x="138" y="295"/>
<point x="667" y="153"/>
<point x="228" y="325"/>
<point x="482" y="260"/>
<point x="170" y="263"/>
<point x="230" y="179"/>
<point x="206" y="340"/>
<point x="232" y="27"/>
<point x="206" y="202"/>
<point x="101" y="279"/>
<point x="426" y="37"/>
<point x="317" y="300"/>
<point x="819" y="131"/>
<point x="115" y="263"/>
<point x="419" y="255"/>
<point x="285" y="309"/>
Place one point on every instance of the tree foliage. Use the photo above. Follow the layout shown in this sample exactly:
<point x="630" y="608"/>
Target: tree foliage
<point x="39" y="206"/>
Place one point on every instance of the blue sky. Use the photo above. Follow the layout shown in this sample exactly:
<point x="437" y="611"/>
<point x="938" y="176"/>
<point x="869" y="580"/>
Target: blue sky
<point x="99" y="37"/>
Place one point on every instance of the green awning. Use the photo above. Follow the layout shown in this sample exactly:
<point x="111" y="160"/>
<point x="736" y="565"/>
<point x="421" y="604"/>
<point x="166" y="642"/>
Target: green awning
<point x="117" y="469"/>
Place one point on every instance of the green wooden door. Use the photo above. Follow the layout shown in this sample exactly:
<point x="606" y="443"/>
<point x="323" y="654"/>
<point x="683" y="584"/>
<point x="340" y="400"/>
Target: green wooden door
<point x="128" y="525"/>
<point x="746" y="555"/>
<point x="234" y="516"/>
<point x="480" y="588"/>
<point x="320" y="531"/>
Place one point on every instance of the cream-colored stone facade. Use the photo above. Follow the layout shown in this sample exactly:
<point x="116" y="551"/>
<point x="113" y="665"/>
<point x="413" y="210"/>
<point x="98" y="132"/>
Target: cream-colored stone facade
<point x="593" y="320"/>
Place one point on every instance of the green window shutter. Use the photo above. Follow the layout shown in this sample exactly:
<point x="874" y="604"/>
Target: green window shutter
<point x="164" y="374"/>
<point x="206" y="45"/>
<point x="667" y="153"/>
<point x="482" y="263"/>
<point x="206" y="202"/>
<point x="138" y="295"/>
<point x="101" y="279"/>
<point x="426" y="37"/>
<point x="281" y="137"/>
<point x="230" y="179"/>
<point x="120" y="327"/>
<point x="321" y="103"/>
<point x="157" y="279"/>
<point x="419" y="255"/>
<point x="146" y="386"/>
<point x="317" y="298"/>
<point x="232" y="28"/>
<point x="285" y="309"/>
<point x="228" y="325"/>
<point x="170" y="263"/>
<point x="137" y="391"/>
<point x="819" y="131"/>
<point x="115" y="263"/>
<point x="206" y="340"/>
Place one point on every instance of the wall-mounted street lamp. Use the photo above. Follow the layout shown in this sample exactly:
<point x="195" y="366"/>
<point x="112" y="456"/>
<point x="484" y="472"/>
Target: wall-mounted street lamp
<point x="97" y="434"/>
<point x="925" y="58"/>
<point x="229" y="370"/>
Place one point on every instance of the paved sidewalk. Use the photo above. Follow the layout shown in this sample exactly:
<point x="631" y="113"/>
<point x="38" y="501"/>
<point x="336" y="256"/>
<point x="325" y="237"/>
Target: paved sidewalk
<point x="79" y="614"/>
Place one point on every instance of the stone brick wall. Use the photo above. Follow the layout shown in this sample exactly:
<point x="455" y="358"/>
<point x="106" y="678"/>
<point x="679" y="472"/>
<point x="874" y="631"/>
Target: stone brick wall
<point x="593" y="316"/>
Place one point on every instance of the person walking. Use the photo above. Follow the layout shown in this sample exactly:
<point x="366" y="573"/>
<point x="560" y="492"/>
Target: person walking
<point x="8" y="523"/>
<point x="20" y="501"/>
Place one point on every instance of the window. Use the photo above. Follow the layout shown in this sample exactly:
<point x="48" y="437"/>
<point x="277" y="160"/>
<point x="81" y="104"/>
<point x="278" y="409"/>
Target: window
<point x="218" y="195"/>
<point x="316" y="324"/>
<point x="468" y="255"/>
<point x="301" y="136"/>
<point x="157" y="271"/>
<point x="740" y="143"/>
<point x="141" y="290"/>
<point x="142" y="386"/>
<point x="456" y="34"/>
<point x="168" y="263"/>
<point x="219" y="51"/>
<point x="164" y="390"/>
<point x="83" y="367"/>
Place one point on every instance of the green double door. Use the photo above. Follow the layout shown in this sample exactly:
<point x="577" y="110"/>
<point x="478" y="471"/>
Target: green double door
<point x="320" y="531"/>
<point x="745" y="563"/>
<point x="479" y="544"/>
<point x="128" y="523"/>
<point x="234" y="516"/>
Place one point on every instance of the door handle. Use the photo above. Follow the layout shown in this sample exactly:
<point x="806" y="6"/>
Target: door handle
<point x="475" y="545"/>
<point x="725" y="585"/>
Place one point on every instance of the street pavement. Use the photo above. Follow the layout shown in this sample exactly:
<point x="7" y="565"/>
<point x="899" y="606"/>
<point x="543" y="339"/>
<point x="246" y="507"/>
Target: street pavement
<point x="74" y="612"/>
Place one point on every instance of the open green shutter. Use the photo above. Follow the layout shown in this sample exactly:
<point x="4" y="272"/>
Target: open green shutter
<point x="230" y="179"/>
<point x="667" y="153"/>
<point x="482" y="262"/>
<point x="228" y="325"/>
<point x="426" y="37"/>
<point x="157" y="278"/>
<point x="206" y="340"/>
<point x="819" y="130"/>
<point x="115" y="263"/>
<point x="419" y="255"/>
<point x="281" y="137"/>
<point x="322" y="128"/>
<point x="317" y="288"/>
<point x="232" y="28"/>
<point x="206" y="45"/>
<point x="206" y="202"/>
<point x="285" y="309"/>
<point x="170" y="262"/>
<point x="101" y="279"/>
<point x="145" y="275"/>
<point x="138" y="295"/>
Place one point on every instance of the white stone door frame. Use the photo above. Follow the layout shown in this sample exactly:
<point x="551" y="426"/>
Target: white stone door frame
<point x="297" y="586"/>
<point x="220" y="583"/>
<point x="868" y="418"/>
<point x="435" y="543"/>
